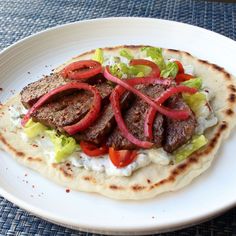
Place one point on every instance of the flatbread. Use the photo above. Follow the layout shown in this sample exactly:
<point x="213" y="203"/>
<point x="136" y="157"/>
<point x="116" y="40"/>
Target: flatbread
<point x="148" y="181"/>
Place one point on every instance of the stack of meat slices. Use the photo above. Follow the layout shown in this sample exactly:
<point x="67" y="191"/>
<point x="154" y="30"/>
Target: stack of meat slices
<point x="71" y="106"/>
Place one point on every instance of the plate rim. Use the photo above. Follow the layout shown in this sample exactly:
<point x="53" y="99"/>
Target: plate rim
<point x="62" y="221"/>
<point x="36" y="211"/>
<point x="107" y="19"/>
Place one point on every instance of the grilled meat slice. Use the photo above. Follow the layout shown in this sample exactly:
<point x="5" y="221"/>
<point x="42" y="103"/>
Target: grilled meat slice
<point x="134" y="119"/>
<point x="33" y="91"/>
<point x="69" y="109"/>
<point x="98" y="132"/>
<point x="178" y="132"/>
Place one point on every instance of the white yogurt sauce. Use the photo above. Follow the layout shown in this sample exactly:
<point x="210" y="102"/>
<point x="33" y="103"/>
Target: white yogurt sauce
<point x="159" y="156"/>
<point x="15" y="113"/>
<point x="188" y="69"/>
<point x="110" y="60"/>
<point x="103" y="164"/>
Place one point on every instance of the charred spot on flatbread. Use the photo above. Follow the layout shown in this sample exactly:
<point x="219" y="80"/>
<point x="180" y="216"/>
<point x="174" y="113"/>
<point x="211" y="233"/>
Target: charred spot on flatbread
<point x="36" y="159"/>
<point x="137" y="187"/>
<point x="229" y="112"/>
<point x="115" y="187"/>
<point x="20" y="154"/>
<point x="232" y="98"/>
<point x="232" y="88"/>
<point x="90" y="179"/>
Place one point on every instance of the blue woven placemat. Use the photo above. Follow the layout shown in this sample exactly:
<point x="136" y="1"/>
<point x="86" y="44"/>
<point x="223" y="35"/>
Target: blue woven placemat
<point x="20" y="18"/>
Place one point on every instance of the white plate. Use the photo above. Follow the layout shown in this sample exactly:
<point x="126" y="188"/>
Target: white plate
<point x="208" y="195"/>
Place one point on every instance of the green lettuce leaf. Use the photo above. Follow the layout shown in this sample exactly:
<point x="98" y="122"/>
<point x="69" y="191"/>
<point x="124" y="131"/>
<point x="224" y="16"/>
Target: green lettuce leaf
<point x="141" y="70"/>
<point x="193" y="145"/>
<point x="195" y="101"/>
<point x="193" y="83"/>
<point x="156" y="55"/>
<point x="63" y="146"/>
<point x="170" y="70"/>
<point x="121" y="69"/>
<point x="116" y="70"/>
<point x="33" y="129"/>
<point x="98" y="55"/>
<point x="140" y="74"/>
<point x="125" y="53"/>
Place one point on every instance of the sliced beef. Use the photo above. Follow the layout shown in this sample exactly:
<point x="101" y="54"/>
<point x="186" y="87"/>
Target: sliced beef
<point x="98" y="132"/>
<point x="178" y="132"/>
<point x="69" y="109"/>
<point x="33" y="91"/>
<point x="71" y="106"/>
<point x="134" y="119"/>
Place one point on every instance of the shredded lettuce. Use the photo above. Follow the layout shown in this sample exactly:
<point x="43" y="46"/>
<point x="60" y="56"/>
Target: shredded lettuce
<point x="63" y="145"/>
<point x="171" y="70"/>
<point x="156" y="55"/>
<point x="125" y="53"/>
<point x="140" y="70"/>
<point x="186" y="150"/>
<point x="134" y="70"/>
<point x="125" y="69"/>
<point x="121" y="69"/>
<point x="98" y="55"/>
<point x="33" y="129"/>
<point x="116" y="70"/>
<point x="140" y="74"/>
<point x="195" y="101"/>
<point x="193" y="83"/>
<point x="116" y="59"/>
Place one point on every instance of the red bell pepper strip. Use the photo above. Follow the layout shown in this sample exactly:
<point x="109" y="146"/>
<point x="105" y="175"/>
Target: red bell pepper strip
<point x="115" y="103"/>
<point x="182" y="77"/>
<point x="151" y="113"/>
<point x="155" y="69"/>
<point x="81" y="69"/>
<point x="180" y="67"/>
<point x="174" y="114"/>
<point x="82" y="124"/>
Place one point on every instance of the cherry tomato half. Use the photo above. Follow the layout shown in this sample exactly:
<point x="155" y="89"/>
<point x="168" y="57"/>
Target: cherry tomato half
<point x="121" y="158"/>
<point x="182" y="77"/>
<point x="180" y="67"/>
<point x="92" y="150"/>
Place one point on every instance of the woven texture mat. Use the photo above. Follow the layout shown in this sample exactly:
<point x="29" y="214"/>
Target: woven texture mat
<point x="20" y="18"/>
